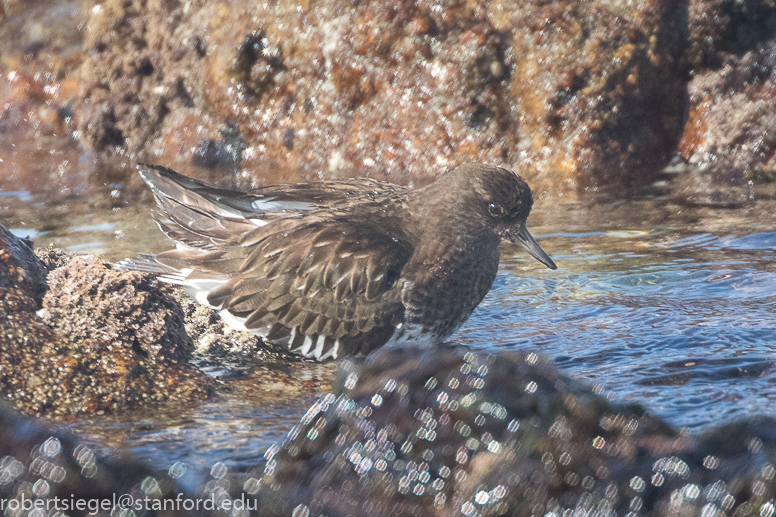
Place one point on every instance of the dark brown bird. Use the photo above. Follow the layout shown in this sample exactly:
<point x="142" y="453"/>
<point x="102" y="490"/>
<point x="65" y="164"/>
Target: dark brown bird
<point x="341" y="267"/>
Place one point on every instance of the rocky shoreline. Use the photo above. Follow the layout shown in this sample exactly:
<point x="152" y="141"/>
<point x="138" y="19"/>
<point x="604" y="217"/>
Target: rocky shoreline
<point x="406" y="432"/>
<point x="80" y="337"/>
<point x="578" y="96"/>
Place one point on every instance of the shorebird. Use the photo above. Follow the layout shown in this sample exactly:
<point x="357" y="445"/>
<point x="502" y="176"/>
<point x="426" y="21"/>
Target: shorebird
<point x="338" y="268"/>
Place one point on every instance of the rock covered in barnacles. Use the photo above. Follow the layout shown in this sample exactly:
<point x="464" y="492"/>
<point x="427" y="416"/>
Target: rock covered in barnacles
<point x="446" y="432"/>
<point x="88" y="298"/>
<point x="117" y="343"/>
<point x="43" y="372"/>
<point x="574" y="93"/>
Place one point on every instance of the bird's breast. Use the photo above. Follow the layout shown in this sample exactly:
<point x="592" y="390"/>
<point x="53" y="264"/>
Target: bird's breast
<point x="443" y="295"/>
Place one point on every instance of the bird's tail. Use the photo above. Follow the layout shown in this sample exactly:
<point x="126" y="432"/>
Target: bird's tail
<point x="195" y="214"/>
<point x="197" y="284"/>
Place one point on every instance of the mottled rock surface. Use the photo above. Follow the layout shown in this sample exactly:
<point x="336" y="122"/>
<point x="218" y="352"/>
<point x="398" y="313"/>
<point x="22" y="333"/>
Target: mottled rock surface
<point x="600" y="86"/>
<point x="19" y="267"/>
<point x="53" y="257"/>
<point x="44" y="373"/>
<point x="730" y="137"/>
<point x="570" y="93"/>
<point x="42" y="52"/>
<point x="116" y="341"/>
<point x="444" y="432"/>
<point x="88" y="298"/>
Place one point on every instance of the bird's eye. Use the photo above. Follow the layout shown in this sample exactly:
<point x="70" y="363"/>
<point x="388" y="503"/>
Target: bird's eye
<point x="495" y="210"/>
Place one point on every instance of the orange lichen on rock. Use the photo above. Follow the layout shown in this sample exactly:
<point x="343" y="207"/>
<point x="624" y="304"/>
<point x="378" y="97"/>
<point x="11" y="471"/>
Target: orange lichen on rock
<point x="694" y="135"/>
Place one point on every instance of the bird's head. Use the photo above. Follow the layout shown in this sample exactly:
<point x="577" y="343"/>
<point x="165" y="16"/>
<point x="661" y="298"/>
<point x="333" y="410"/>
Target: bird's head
<point x="501" y="200"/>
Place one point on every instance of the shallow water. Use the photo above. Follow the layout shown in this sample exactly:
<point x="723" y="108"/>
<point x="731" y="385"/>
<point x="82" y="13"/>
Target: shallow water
<point x="656" y="303"/>
<point x="678" y="315"/>
<point x="232" y="431"/>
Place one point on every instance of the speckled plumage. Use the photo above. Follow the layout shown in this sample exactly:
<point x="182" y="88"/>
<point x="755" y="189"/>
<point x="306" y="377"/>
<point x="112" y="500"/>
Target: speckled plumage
<point x="339" y="268"/>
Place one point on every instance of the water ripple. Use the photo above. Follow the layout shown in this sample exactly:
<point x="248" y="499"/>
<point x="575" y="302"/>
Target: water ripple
<point x="686" y="328"/>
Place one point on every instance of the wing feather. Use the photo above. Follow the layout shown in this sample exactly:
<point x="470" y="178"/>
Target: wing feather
<point x="317" y="285"/>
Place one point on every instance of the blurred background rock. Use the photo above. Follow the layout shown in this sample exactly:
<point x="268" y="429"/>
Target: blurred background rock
<point x="575" y="95"/>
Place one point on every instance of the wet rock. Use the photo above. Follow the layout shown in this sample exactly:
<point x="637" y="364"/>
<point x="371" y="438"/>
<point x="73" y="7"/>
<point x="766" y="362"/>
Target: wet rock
<point x="115" y="342"/>
<point x="256" y="64"/>
<point x="730" y="137"/>
<point x="44" y="373"/>
<point x="19" y="267"/>
<point x="270" y="383"/>
<point x="601" y="86"/>
<point x="143" y="63"/>
<point x="719" y="27"/>
<point x="53" y="257"/>
<point x="33" y="455"/>
<point x="87" y="298"/>
<point x="446" y="432"/>
<point x="691" y="185"/>
<point x="41" y="42"/>
<point x="225" y="152"/>
<point x="573" y="93"/>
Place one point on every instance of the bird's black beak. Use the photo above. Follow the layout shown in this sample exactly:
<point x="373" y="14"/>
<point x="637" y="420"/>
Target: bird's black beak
<point x="521" y="237"/>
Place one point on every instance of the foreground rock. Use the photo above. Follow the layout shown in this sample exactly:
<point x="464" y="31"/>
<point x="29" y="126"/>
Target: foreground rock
<point x="43" y="372"/>
<point x="109" y="340"/>
<point x="40" y="466"/>
<point x="437" y="433"/>
<point x="88" y="298"/>
<point x="443" y="433"/>
<point x="572" y="93"/>
<point x="217" y="343"/>
<point x="115" y="340"/>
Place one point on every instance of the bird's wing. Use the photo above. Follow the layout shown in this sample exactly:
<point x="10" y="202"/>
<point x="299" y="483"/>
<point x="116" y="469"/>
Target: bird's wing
<point x="203" y="217"/>
<point x="327" y="288"/>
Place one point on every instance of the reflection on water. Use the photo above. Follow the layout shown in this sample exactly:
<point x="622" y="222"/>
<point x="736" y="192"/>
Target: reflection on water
<point x="101" y="219"/>
<point x="665" y="305"/>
